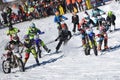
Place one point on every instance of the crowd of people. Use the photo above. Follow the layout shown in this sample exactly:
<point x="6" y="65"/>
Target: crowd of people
<point x="35" y="9"/>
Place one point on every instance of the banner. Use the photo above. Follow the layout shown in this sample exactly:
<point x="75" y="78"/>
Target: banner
<point x="5" y="1"/>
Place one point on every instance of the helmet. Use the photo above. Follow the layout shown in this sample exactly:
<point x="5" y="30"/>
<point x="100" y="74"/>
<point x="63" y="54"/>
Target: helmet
<point x="26" y="37"/>
<point x="110" y="13"/>
<point x="32" y="25"/>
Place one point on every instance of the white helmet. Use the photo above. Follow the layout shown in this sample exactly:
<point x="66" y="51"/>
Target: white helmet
<point x="32" y="25"/>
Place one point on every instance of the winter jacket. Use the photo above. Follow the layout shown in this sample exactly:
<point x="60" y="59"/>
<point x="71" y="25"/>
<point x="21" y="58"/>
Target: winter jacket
<point x="68" y="2"/>
<point x="29" y="44"/>
<point x="59" y="18"/>
<point x="64" y="35"/>
<point x="73" y="1"/>
<point x="33" y="31"/>
<point x="75" y="19"/>
<point x="111" y="18"/>
<point x="79" y="1"/>
<point x="13" y="31"/>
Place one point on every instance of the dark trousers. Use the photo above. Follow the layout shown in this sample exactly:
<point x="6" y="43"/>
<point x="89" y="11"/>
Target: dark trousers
<point x="74" y="28"/>
<point x="59" y="44"/>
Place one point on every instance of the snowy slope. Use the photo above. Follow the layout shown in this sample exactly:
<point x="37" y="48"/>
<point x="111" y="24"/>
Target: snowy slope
<point x="71" y="63"/>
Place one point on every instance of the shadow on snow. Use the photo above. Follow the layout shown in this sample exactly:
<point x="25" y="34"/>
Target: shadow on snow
<point x="44" y="62"/>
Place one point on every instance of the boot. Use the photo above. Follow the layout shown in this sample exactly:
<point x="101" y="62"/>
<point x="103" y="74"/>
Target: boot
<point x="25" y="61"/>
<point x="48" y="50"/>
<point x="99" y="47"/>
<point x="37" y="61"/>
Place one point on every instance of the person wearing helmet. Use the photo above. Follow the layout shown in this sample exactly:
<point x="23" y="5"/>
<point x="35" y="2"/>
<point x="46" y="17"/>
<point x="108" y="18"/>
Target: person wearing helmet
<point x="33" y="30"/>
<point x="58" y="19"/>
<point x="12" y="31"/>
<point x="111" y="19"/>
<point x="75" y="21"/>
<point x="29" y="46"/>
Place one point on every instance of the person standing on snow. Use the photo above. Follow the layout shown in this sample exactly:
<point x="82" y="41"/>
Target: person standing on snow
<point x="64" y="36"/>
<point x="75" y="21"/>
<point x="111" y="19"/>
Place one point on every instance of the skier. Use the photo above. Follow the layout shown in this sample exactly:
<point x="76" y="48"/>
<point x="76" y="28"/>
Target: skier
<point x="111" y="19"/>
<point x="12" y="31"/>
<point x="29" y="46"/>
<point x="75" y="21"/>
<point x="64" y="36"/>
<point x="58" y="19"/>
<point x="102" y="36"/>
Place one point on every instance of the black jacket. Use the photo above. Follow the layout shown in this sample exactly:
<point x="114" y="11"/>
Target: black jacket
<point x="75" y="19"/>
<point x="111" y="19"/>
<point x="64" y="35"/>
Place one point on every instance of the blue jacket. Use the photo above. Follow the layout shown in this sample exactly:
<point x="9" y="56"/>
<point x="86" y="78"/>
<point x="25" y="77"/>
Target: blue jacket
<point x="58" y="19"/>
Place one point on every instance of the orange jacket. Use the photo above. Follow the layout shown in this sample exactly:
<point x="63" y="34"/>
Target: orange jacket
<point x="79" y="1"/>
<point x="73" y="1"/>
<point x="68" y="2"/>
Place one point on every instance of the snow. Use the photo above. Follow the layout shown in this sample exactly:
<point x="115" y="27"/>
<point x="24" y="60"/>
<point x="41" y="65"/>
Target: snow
<point x="71" y="63"/>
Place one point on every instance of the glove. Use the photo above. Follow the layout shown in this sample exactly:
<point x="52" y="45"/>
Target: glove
<point x="66" y="19"/>
<point x="56" y="39"/>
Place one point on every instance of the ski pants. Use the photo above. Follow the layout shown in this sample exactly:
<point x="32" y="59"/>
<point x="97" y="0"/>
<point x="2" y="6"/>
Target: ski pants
<point x="28" y="51"/>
